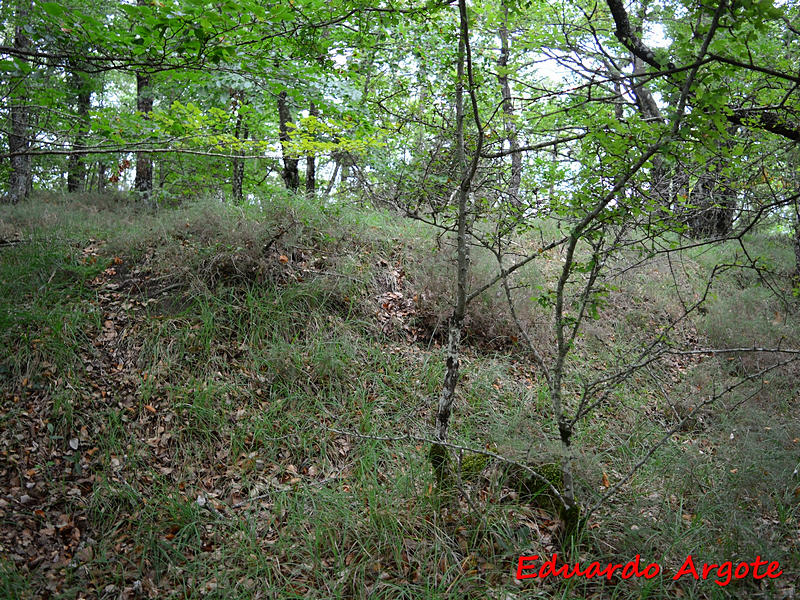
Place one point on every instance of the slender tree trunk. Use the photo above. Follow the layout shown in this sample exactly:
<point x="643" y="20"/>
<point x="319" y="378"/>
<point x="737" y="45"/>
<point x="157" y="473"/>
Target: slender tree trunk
<point x="19" y="180"/>
<point x="794" y="163"/>
<point x="76" y="170"/>
<point x="712" y="203"/>
<point x="797" y="241"/>
<point x="508" y="110"/>
<point x="143" y="182"/>
<point x="644" y="99"/>
<point x="456" y="322"/>
<point x="565" y="430"/>
<point x="238" y="172"/>
<point x="344" y="162"/>
<point x="237" y="164"/>
<point x="457" y="318"/>
<point x="101" y="176"/>
<point x="291" y="172"/>
<point x="663" y="183"/>
<point x="616" y="77"/>
<point x="144" y="162"/>
<point x="311" y="167"/>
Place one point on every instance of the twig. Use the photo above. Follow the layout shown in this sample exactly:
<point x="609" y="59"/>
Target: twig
<point x="49" y="279"/>
<point x="172" y="286"/>
<point x="268" y="494"/>
<point x="713" y="351"/>
<point x="278" y="235"/>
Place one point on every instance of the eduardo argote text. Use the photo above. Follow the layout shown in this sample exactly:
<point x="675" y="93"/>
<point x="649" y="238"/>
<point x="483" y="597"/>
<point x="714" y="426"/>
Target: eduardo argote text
<point x="532" y="567"/>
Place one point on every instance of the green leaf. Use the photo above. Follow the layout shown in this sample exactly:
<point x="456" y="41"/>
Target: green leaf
<point x="53" y="8"/>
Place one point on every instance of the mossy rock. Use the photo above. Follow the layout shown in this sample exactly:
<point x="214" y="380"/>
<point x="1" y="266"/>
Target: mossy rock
<point x="472" y="465"/>
<point x="531" y="489"/>
<point x="440" y="461"/>
<point x="573" y="522"/>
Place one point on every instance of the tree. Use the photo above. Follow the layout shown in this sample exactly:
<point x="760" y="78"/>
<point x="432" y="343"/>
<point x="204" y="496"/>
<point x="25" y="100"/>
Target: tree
<point x="635" y="170"/>
<point x="508" y="108"/>
<point x="241" y="133"/>
<point x="19" y="182"/>
<point x="629" y="149"/>
<point x="464" y="78"/>
<point x="291" y="172"/>
<point x="311" y="170"/>
<point x="81" y="86"/>
<point x="143" y="182"/>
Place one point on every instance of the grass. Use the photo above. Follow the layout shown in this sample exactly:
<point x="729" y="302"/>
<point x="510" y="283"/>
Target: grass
<point x="172" y="419"/>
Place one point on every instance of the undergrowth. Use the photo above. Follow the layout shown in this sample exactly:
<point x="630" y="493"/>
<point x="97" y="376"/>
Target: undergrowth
<point x="213" y="402"/>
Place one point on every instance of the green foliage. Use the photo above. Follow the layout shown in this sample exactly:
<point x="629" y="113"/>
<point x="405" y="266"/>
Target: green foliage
<point x="13" y="584"/>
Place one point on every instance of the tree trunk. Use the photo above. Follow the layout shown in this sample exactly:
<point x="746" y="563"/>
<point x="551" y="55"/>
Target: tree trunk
<point x="797" y="240"/>
<point x="344" y="162"/>
<point x="311" y="167"/>
<point x="713" y="201"/>
<point x="237" y="166"/>
<point x="101" y="176"/>
<point x="144" y="163"/>
<point x="291" y="172"/>
<point x="19" y="179"/>
<point x="508" y="110"/>
<point x="665" y="185"/>
<point x="457" y="318"/>
<point x="711" y="204"/>
<point x="713" y="207"/>
<point x="238" y="172"/>
<point x="143" y="183"/>
<point x="438" y="452"/>
<point x="563" y="345"/>
<point x="462" y="248"/>
<point x="76" y="170"/>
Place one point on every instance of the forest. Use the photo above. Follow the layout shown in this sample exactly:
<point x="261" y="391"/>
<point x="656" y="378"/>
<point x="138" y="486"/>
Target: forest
<point x="400" y="299"/>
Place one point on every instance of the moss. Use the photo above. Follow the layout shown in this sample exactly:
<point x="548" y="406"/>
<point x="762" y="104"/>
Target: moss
<point x="440" y="461"/>
<point x="573" y="522"/>
<point x="571" y="516"/>
<point x="552" y="472"/>
<point x="533" y="490"/>
<point x="472" y="465"/>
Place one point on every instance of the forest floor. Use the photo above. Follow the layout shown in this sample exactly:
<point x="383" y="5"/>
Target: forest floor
<point x="206" y="402"/>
